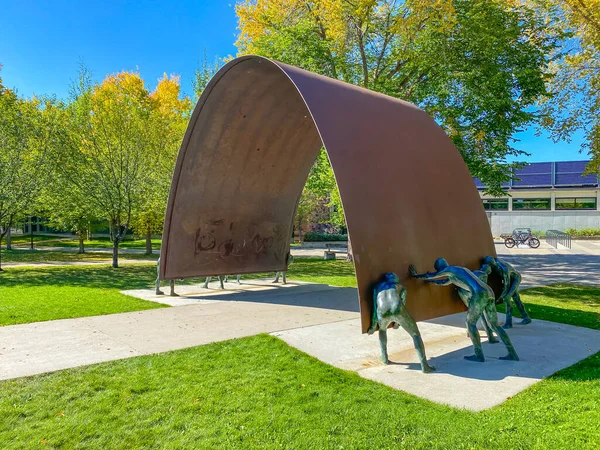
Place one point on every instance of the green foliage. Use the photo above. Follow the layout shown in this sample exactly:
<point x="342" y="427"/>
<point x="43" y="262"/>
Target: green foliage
<point x="320" y="201"/>
<point x="258" y="392"/>
<point x="203" y="74"/>
<point x="574" y="106"/>
<point x="316" y="237"/>
<point x="27" y="134"/>
<point x="584" y="232"/>
<point x="117" y="154"/>
<point x="477" y="67"/>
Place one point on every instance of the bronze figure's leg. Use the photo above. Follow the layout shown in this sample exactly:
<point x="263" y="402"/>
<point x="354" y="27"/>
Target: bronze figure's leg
<point x="492" y="317"/>
<point x="508" y="306"/>
<point x="407" y="322"/>
<point x="239" y="277"/>
<point x="521" y="307"/>
<point x="472" y="317"/>
<point x="284" y="279"/>
<point x="221" y="282"/>
<point x="383" y="344"/>
<point x="490" y="333"/>
<point x="205" y="285"/>
<point x="173" y="294"/>
<point x="276" y="280"/>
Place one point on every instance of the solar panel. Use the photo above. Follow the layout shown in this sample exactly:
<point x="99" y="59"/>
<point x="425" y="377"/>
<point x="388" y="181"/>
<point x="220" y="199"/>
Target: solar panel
<point x="570" y="173"/>
<point x="549" y="174"/>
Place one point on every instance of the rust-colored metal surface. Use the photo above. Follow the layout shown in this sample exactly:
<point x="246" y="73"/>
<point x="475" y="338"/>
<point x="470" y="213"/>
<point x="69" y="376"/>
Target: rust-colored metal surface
<point x="408" y="196"/>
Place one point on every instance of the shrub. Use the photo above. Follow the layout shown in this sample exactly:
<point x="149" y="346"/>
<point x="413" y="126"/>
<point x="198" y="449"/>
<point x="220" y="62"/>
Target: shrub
<point x="584" y="232"/>
<point x="316" y="237"/>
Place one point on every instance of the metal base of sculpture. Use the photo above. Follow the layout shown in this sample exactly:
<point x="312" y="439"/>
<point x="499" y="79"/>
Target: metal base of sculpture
<point x="511" y="279"/>
<point x="389" y="299"/>
<point x="479" y="299"/>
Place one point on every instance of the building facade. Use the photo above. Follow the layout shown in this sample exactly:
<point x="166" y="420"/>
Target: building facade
<point x="545" y="196"/>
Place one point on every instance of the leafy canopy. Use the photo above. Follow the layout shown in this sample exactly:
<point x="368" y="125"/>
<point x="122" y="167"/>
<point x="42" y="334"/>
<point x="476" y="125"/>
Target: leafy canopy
<point x="477" y="67"/>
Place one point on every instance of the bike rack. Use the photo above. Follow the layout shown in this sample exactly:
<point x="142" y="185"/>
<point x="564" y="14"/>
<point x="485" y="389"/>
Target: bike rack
<point x="555" y="237"/>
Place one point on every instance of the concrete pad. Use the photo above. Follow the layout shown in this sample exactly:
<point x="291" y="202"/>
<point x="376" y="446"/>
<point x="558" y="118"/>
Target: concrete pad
<point x="543" y="347"/>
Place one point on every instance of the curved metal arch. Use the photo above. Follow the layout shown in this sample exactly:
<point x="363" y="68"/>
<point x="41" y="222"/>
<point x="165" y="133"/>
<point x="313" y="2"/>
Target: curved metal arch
<point x="252" y="139"/>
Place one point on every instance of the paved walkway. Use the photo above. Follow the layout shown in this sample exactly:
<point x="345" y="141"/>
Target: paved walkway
<point x="216" y="315"/>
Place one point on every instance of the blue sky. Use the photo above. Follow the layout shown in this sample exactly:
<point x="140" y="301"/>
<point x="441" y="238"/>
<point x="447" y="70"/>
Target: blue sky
<point x="43" y="42"/>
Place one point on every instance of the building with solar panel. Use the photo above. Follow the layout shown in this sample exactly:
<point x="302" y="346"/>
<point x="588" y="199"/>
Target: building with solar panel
<point x="545" y="196"/>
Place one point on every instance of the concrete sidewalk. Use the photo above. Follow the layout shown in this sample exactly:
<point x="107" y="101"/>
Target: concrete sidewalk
<point x="216" y="316"/>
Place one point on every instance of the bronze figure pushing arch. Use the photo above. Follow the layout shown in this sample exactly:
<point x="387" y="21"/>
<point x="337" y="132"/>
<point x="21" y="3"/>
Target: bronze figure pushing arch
<point x="252" y="139"/>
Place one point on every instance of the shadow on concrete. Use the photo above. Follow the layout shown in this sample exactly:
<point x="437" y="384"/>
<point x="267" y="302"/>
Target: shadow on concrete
<point x="453" y="363"/>
<point x="307" y="295"/>
<point x="555" y="265"/>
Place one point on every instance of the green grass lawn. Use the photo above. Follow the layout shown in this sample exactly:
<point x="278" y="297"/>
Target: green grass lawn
<point x="259" y="393"/>
<point x="34" y="294"/>
<point x="40" y="240"/>
<point x="43" y="256"/>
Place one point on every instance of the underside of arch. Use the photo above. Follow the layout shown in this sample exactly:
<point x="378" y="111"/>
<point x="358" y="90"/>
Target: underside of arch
<point x="252" y="139"/>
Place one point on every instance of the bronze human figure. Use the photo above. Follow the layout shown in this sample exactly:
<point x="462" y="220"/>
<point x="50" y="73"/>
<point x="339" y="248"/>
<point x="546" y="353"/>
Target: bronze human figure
<point x="477" y="296"/>
<point x="389" y="298"/>
<point x="511" y="279"/>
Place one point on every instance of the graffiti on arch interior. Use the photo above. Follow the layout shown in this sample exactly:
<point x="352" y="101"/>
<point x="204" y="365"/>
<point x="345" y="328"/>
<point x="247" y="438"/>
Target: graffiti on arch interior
<point x="217" y="236"/>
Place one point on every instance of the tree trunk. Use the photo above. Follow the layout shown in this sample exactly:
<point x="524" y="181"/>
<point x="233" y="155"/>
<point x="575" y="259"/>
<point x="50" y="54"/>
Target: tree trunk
<point x="1" y="269"/>
<point x="31" y="231"/>
<point x="349" y="257"/>
<point x="300" y="235"/>
<point x="116" y="239"/>
<point x="8" y="242"/>
<point x="148" y="242"/>
<point x="81" y="237"/>
<point x="115" y="259"/>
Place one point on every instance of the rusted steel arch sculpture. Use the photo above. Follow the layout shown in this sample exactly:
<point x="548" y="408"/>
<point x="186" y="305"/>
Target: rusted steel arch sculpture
<point x="252" y="139"/>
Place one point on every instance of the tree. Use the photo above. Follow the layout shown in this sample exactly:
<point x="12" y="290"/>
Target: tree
<point x="106" y="153"/>
<point x="26" y="132"/>
<point x="203" y="74"/>
<point x="477" y="67"/>
<point x="67" y="207"/>
<point x="315" y="195"/>
<point x="575" y="103"/>
<point x="169" y="118"/>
